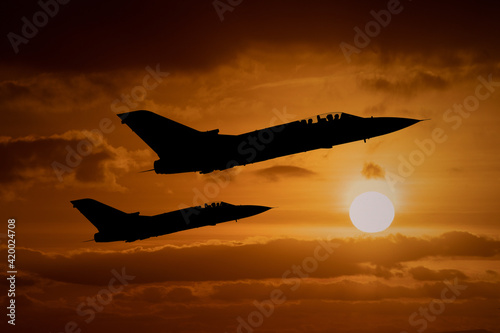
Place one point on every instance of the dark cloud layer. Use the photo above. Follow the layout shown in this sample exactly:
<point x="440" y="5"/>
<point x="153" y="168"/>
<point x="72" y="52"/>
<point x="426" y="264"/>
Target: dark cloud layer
<point x="72" y="158"/>
<point x="188" y="35"/>
<point x="215" y="307"/>
<point x="236" y="262"/>
<point x="31" y="158"/>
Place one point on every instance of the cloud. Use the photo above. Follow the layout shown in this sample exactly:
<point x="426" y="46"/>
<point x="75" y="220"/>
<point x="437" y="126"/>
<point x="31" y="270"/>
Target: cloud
<point x="372" y="170"/>
<point x="275" y="173"/>
<point x="344" y="290"/>
<point x="56" y="93"/>
<point x="221" y="178"/>
<point x="377" y="109"/>
<point x="414" y="83"/>
<point x="492" y="273"/>
<point x="378" y="257"/>
<point x="210" y="305"/>
<point x="160" y="293"/>
<point x="349" y="290"/>
<point x="424" y="274"/>
<point x="223" y="302"/>
<point x="210" y="285"/>
<point x="74" y="158"/>
<point x="133" y="314"/>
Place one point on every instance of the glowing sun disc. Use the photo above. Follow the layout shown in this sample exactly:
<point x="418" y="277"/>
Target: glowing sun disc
<point x="371" y="212"/>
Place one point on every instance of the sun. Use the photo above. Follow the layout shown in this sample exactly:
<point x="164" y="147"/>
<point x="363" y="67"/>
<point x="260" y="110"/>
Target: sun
<point x="371" y="212"/>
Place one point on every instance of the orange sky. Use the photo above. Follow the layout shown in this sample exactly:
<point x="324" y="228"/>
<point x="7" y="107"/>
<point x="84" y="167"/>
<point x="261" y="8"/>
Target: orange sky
<point x="266" y="61"/>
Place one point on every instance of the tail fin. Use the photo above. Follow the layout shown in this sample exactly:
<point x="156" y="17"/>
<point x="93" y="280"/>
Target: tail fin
<point x="102" y="216"/>
<point x="161" y="134"/>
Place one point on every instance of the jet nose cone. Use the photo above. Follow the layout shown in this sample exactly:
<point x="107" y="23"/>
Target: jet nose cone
<point x="385" y="125"/>
<point x="396" y="124"/>
<point x="406" y="122"/>
<point x="254" y="210"/>
<point x="249" y="210"/>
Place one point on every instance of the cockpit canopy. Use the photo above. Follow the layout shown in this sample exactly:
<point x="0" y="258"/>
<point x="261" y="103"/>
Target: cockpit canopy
<point x="328" y="117"/>
<point x="217" y="204"/>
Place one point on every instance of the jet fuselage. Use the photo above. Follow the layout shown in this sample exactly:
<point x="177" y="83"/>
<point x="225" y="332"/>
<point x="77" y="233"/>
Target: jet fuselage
<point x="183" y="149"/>
<point x="115" y="225"/>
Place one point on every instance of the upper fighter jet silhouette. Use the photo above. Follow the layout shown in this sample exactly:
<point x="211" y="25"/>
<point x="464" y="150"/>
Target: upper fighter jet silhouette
<point x="184" y="149"/>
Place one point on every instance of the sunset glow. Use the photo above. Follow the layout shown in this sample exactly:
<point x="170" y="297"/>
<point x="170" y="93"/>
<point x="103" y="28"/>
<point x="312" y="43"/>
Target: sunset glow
<point x="67" y="71"/>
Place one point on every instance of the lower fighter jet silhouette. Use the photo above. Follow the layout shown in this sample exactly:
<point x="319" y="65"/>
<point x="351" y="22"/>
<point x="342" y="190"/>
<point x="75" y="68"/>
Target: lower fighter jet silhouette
<point x="115" y="225"/>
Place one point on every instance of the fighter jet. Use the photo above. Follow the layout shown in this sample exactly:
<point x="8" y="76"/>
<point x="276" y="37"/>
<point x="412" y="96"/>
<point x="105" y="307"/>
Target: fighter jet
<point x="115" y="225"/>
<point x="183" y="149"/>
